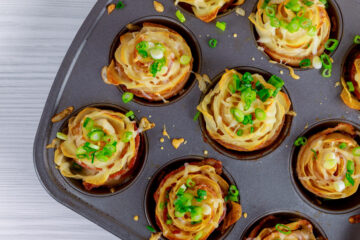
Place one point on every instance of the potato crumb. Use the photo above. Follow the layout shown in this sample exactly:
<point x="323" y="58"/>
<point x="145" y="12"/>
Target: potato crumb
<point x="337" y="84"/>
<point x="111" y="8"/>
<point x="150" y="116"/>
<point x="176" y="142"/>
<point x="292" y="113"/>
<point x="203" y="81"/>
<point x="162" y="140"/>
<point x="158" y="7"/>
<point x="185" y="142"/>
<point x="281" y="72"/>
<point x="165" y="133"/>
<point x="235" y="35"/>
<point x="155" y="236"/>
<point x="63" y="114"/>
<point x="206" y="152"/>
<point x="253" y="59"/>
<point x="162" y="148"/>
<point x="306" y="126"/>
<point x="136" y="218"/>
<point x="240" y="11"/>
<point x="245" y="215"/>
<point x="260" y="48"/>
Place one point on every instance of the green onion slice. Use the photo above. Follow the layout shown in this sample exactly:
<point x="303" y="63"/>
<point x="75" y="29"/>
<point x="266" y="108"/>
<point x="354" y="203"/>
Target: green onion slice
<point x="169" y="221"/>
<point x="308" y="3"/>
<point x="212" y="43"/>
<point x="196" y="213"/>
<point x="342" y="145"/>
<point x="240" y="132"/>
<point x="96" y="135"/>
<point x="237" y="114"/>
<point x="88" y="123"/>
<point x="331" y="44"/>
<point x="127" y="137"/>
<point x="326" y="73"/>
<point x="196" y="117"/>
<point x="305" y="22"/>
<point x="198" y="236"/>
<point x="276" y="81"/>
<point x="351" y="87"/>
<point x="305" y="63"/>
<point x="270" y="11"/>
<point x="260" y="114"/>
<point x="190" y="183"/>
<point x="315" y="154"/>
<point x="184" y="59"/>
<point x="284" y="227"/>
<point x="127" y="97"/>
<point x="274" y="22"/>
<point x="326" y="62"/>
<point x="180" y="16"/>
<point x="151" y="229"/>
<point x="263" y="94"/>
<point x="61" y="136"/>
<point x="349" y="178"/>
<point x="130" y="114"/>
<point x="120" y="5"/>
<point x="293" y="26"/>
<point x="300" y="141"/>
<point x="233" y="190"/>
<point x="247" y="77"/>
<point x="221" y="25"/>
<point x="356" y="151"/>
<point x="350" y="166"/>
<point x="357" y="39"/>
<point x="312" y="31"/>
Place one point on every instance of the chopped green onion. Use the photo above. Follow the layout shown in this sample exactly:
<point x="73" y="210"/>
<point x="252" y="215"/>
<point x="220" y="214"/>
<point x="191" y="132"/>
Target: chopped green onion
<point x="237" y="114"/>
<point x="342" y="145"/>
<point x="260" y="114"/>
<point x="88" y="123"/>
<point x="151" y="229"/>
<point x="181" y="190"/>
<point x="169" y="221"/>
<point x="263" y="94"/>
<point x="109" y="149"/>
<point x="300" y="141"/>
<point x="274" y="22"/>
<point x="276" y="81"/>
<point x="326" y="62"/>
<point x="326" y="73"/>
<point x="240" y="132"/>
<point x="127" y="137"/>
<point x="237" y="81"/>
<point x="233" y="190"/>
<point x="357" y="39"/>
<point x="81" y="151"/>
<point x="130" y="114"/>
<point x="266" y="2"/>
<point x="179" y="214"/>
<point x="331" y="44"/>
<point x="287" y="229"/>
<point x="143" y="45"/>
<point x="108" y="139"/>
<point x="312" y="31"/>
<point x="143" y="53"/>
<point x="196" y="214"/>
<point x="180" y="16"/>
<point x="247" y="119"/>
<point x="308" y="3"/>
<point x="61" y="136"/>
<point x="162" y="205"/>
<point x="156" y="66"/>
<point x="350" y="166"/>
<point x="212" y="43"/>
<point x="184" y="59"/>
<point x="247" y="77"/>
<point x="96" y="135"/>
<point x="120" y="5"/>
<point x="305" y="22"/>
<point x="248" y="96"/>
<point x="127" y="97"/>
<point x="231" y="88"/>
<point x="198" y="236"/>
<point x="324" y="2"/>
<point x="351" y="87"/>
<point x="305" y="62"/>
<point x="349" y="178"/>
<point x="76" y="166"/>
<point x="196" y="117"/>
<point x="356" y="151"/>
<point x="93" y="146"/>
<point x="293" y="5"/>
<point x="270" y="11"/>
<point x="293" y="26"/>
<point x="201" y="194"/>
<point x="221" y="25"/>
<point x="190" y="183"/>
<point x="101" y="157"/>
<point x="283" y="24"/>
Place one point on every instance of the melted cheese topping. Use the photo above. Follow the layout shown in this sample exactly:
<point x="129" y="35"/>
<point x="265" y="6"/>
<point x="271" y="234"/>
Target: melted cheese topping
<point x="205" y="178"/>
<point x="97" y="173"/>
<point x="301" y="229"/>
<point x="207" y="10"/>
<point x="291" y="48"/>
<point x="314" y="172"/>
<point x="132" y="71"/>
<point x="222" y="126"/>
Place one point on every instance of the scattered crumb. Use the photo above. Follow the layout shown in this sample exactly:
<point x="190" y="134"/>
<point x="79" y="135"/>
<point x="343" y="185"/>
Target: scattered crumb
<point x="162" y="140"/>
<point x="292" y="113"/>
<point x="273" y="62"/>
<point x="199" y="35"/>
<point x="260" y="48"/>
<point x="136" y="218"/>
<point x="185" y="142"/>
<point x="112" y="190"/>
<point x="281" y="72"/>
<point x="138" y="111"/>
<point x="239" y="11"/>
<point x="173" y="125"/>
<point x="208" y="35"/>
<point x="292" y="73"/>
<point x="132" y="27"/>
<point x="286" y="146"/>
<point x="245" y="215"/>
<point x="176" y="142"/>
<point x="235" y="35"/>
<point x="262" y="58"/>
<point x="155" y="236"/>
<point x="63" y="114"/>
<point x="158" y="7"/>
<point x="162" y="148"/>
<point x="320" y="103"/>
<point x="150" y="116"/>
<point x="206" y="152"/>
<point x="165" y="132"/>
<point x="306" y="126"/>
<point x="337" y="84"/>
<point x="203" y="81"/>
<point x="111" y="8"/>
<point x="145" y="125"/>
<point x="253" y="59"/>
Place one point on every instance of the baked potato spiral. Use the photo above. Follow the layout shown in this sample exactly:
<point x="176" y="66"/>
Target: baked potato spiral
<point x="207" y="10"/>
<point x="191" y="201"/>
<point x="328" y="165"/>
<point x="100" y="148"/>
<point x="246" y="117"/>
<point x="351" y="82"/>
<point x="291" y="31"/>
<point x="153" y="63"/>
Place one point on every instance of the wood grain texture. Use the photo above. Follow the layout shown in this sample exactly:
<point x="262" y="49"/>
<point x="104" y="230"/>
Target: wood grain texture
<point x="34" y="37"/>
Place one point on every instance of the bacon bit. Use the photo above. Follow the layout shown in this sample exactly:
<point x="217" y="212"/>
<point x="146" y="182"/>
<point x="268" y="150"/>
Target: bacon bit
<point x="202" y="81"/>
<point x="111" y="8"/>
<point x="155" y="236"/>
<point x="240" y="11"/>
<point x="158" y="7"/>
<point x="176" y="142"/>
<point x="292" y="73"/>
<point x="165" y="133"/>
<point x="63" y="114"/>
<point x="292" y="113"/>
<point x="132" y="27"/>
<point x="54" y="144"/>
<point x="145" y="124"/>
<point x="354" y="219"/>
<point x="136" y="218"/>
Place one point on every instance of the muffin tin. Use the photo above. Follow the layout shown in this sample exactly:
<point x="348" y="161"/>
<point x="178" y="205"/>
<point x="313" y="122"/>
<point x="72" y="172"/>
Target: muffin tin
<point x="265" y="185"/>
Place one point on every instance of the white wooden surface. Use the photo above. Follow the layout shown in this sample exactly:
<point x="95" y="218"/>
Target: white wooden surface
<point x="34" y="37"/>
